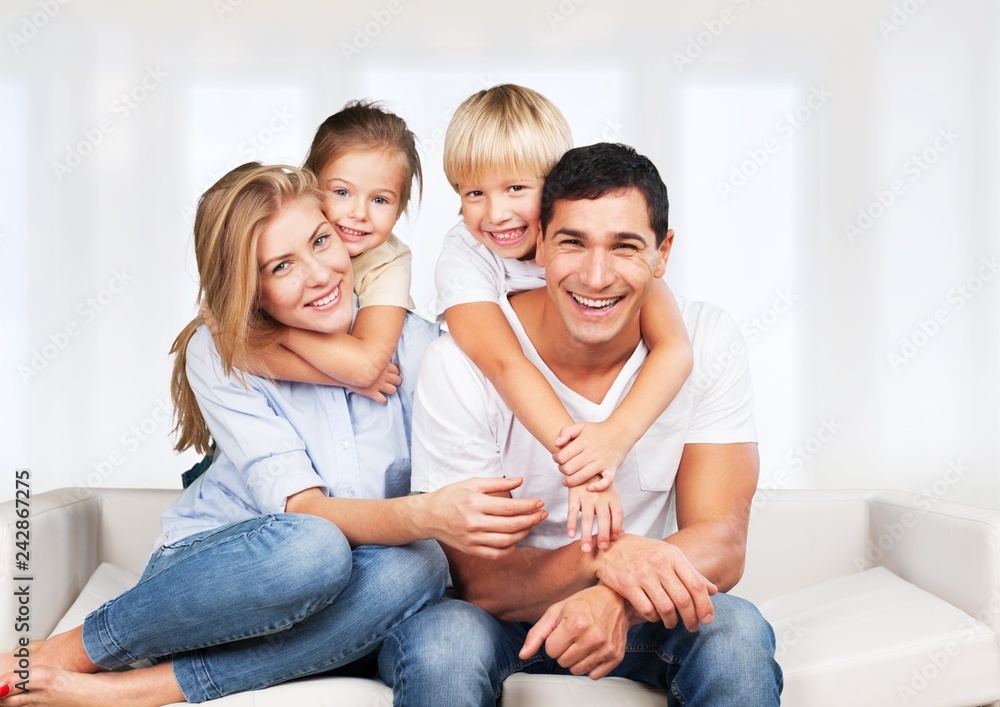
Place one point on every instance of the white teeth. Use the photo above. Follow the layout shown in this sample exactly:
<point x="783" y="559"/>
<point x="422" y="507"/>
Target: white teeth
<point x="507" y="235"/>
<point x="352" y="232"/>
<point x="595" y="303"/>
<point x="326" y="300"/>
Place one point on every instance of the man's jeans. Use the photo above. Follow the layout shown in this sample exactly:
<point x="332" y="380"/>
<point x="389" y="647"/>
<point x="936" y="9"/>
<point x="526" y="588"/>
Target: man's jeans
<point x="262" y="601"/>
<point x="457" y="654"/>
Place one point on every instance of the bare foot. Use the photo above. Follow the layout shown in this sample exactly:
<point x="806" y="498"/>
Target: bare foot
<point x="64" y="651"/>
<point x="146" y="687"/>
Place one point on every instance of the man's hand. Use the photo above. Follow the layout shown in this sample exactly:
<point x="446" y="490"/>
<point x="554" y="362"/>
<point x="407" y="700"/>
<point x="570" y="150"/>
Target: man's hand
<point x="585" y="632"/>
<point x="657" y="579"/>
<point x="464" y="515"/>
<point x="590" y="452"/>
<point x="605" y="505"/>
<point x="385" y="386"/>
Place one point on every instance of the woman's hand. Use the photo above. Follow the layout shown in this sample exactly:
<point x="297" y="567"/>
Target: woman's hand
<point x="467" y="516"/>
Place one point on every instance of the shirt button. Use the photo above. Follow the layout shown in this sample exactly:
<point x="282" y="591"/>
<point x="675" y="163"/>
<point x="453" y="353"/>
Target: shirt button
<point x="350" y="491"/>
<point x="345" y="443"/>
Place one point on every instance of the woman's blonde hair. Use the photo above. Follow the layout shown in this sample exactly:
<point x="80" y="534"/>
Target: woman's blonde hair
<point x="506" y="130"/>
<point x="366" y="125"/>
<point x="231" y="216"/>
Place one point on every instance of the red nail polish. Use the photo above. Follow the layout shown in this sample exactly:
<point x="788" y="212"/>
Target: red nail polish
<point x="4" y="690"/>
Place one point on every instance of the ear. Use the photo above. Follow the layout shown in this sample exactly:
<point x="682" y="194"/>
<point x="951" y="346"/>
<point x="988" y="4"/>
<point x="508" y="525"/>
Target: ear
<point x="540" y="248"/>
<point x="663" y="252"/>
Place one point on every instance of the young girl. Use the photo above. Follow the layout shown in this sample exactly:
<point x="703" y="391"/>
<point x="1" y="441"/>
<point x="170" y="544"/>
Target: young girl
<point x="366" y="161"/>
<point x="253" y="580"/>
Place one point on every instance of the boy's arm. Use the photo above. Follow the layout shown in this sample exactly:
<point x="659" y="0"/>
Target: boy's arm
<point x="359" y="358"/>
<point x="661" y="377"/>
<point x="483" y="333"/>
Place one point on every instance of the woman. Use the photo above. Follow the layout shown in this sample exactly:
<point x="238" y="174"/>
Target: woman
<point x="296" y="551"/>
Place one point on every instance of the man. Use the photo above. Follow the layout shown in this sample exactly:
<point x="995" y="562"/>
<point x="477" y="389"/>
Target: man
<point x="650" y="607"/>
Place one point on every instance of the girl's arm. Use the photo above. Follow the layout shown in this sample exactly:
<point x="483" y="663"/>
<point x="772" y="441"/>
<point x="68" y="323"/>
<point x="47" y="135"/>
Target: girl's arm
<point x="661" y="377"/>
<point x="359" y="358"/>
<point x="281" y="363"/>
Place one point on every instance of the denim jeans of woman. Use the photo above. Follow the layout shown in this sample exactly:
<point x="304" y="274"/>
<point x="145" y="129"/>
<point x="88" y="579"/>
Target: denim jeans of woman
<point x="262" y="601"/>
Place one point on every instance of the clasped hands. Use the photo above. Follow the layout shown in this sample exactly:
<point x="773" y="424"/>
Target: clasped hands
<point x="640" y="579"/>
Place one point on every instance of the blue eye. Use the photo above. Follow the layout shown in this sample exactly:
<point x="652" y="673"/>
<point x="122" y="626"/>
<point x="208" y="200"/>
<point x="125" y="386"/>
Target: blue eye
<point x="380" y="200"/>
<point x="321" y="240"/>
<point x="340" y="192"/>
<point x="280" y="267"/>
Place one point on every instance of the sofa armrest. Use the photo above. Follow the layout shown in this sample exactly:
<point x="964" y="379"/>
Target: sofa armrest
<point x="798" y="538"/>
<point x="948" y="549"/>
<point x="130" y="523"/>
<point x="63" y="554"/>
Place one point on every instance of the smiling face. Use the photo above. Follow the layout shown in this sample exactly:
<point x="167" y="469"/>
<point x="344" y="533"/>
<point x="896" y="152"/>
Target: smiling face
<point x="306" y="279"/>
<point x="501" y="212"/>
<point x="600" y="258"/>
<point x="363" y="189"/>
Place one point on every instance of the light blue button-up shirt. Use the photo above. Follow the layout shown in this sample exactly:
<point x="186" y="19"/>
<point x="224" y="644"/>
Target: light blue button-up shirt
<point x="276" y="438"/>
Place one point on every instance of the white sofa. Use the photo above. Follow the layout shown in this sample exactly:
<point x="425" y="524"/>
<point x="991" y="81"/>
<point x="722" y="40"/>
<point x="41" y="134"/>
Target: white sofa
<point x="876" y="598"/>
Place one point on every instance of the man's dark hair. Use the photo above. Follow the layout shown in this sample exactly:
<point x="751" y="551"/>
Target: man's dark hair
<point x="605" y="168"/>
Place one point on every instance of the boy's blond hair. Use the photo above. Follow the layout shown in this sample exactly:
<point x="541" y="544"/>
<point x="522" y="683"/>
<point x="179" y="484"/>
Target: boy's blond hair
<point x="507" y="129"/>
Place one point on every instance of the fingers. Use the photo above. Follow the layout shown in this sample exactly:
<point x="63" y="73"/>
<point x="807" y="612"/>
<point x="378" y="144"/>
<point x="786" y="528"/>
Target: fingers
<point x="701" y="609"/>
<point x="508" y="525"/>
<point x="602" y="481"/>
<point x="617" y="519"/>
<point x="603" y="525"/>
<point x="497" y="484"/>
<point x="642" y="605"/>
<point x="492" y="546"/>
<point x="508" y="507"/>
<point x="587" y="526"/>
<point x="572" y="514"/>
<point x="578" y="476"/>
<point x="569" y="433"/>
<point x="594" y="663"/>
<point x="540" y="632"/>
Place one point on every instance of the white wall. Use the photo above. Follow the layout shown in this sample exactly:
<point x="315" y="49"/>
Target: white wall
<point x="702" y="88"/>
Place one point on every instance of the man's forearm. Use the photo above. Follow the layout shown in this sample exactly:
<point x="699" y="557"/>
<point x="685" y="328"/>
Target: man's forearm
<point x="717" y="549"/>
<point x="521" y="586"/>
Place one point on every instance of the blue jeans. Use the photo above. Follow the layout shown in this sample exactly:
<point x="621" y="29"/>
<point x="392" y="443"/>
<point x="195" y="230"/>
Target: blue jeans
<point x="455" y="653"/>
<point x="262" y="601"/>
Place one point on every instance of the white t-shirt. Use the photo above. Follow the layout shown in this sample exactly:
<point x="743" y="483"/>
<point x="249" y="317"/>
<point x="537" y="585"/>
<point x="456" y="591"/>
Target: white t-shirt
<point x="462" y="428"/>
<point x="467" y="271"/>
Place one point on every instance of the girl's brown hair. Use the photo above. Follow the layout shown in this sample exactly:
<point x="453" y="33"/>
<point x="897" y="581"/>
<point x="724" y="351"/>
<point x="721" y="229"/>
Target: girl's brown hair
<point x="366" y="125"/>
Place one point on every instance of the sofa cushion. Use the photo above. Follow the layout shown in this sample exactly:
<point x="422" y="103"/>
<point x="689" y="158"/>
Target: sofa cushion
<point x="520" y="690"/>
<point x="874" y="639"/>
<point x="311" y="692"/>
<point x="105" y="584"/>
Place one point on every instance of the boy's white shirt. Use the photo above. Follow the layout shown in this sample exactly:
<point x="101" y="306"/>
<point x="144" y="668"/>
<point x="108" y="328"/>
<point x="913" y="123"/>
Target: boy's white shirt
<point x="463" y="429"/>
<point x="467" y="271"/>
